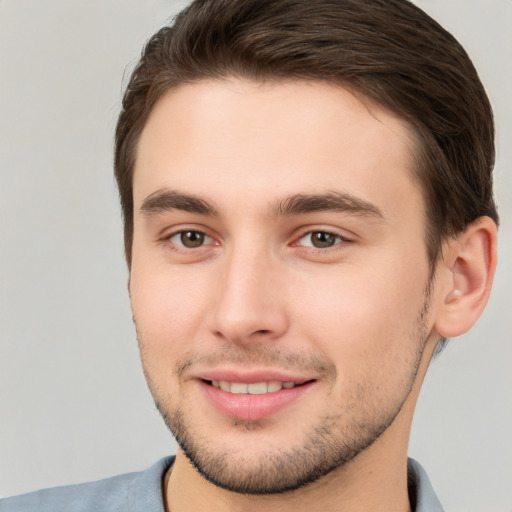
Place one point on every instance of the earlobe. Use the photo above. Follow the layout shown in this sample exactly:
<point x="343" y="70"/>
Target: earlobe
<point x="471" y="261"/>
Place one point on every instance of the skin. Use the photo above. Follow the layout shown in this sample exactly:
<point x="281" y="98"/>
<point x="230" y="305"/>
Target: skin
<point x="357" y="318"/>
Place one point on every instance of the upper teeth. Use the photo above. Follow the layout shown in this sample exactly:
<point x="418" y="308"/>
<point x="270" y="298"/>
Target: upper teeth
<point x="256" y="388"/>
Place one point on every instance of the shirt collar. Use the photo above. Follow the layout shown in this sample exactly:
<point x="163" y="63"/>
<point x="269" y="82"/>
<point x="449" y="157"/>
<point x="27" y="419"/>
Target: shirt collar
<point x="421" y="494"/>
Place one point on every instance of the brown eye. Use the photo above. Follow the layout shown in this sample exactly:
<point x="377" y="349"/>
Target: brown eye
<point x="320" y="239"/>
<point x="191" y="239"/>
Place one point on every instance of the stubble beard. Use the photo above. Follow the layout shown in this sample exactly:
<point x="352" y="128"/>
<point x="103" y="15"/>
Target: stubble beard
<point x="330" y="444"/>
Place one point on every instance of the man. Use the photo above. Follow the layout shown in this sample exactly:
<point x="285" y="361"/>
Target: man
<point x="307" y="195"/>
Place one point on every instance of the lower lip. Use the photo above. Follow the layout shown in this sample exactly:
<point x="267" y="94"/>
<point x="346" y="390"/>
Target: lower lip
<point x="252" y="407"/>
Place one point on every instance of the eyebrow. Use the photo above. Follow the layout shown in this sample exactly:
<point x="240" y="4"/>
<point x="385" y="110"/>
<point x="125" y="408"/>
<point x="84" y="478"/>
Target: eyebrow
<point x="165" y="200"/>
<point x="332" y="201"/>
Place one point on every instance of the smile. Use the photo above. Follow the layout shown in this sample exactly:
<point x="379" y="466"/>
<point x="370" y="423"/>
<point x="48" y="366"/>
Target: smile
<point x="252" y="401"/>
<point x="254" y="388"/>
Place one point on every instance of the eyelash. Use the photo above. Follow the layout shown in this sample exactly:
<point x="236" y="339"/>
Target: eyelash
<point x="178" y="245"/>
<point x="338" y="239"/>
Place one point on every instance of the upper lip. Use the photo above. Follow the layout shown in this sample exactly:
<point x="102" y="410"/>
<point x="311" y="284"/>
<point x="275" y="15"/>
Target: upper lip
<point x="251" y="376"/>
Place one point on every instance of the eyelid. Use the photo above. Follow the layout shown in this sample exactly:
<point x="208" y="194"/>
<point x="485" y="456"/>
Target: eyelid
<point x="179" y="243"/>
<point x="320" y="229"/>
<point x="169" y="234"/>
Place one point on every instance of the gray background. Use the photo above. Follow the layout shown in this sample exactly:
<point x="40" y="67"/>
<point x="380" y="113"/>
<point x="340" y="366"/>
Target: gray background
<point x="73" y="401"/>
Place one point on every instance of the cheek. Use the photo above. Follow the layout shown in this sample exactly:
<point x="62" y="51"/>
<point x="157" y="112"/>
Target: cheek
<point x="168" y="307"/>
<point x="363" y="319"/>
<point x="370" y="333"/>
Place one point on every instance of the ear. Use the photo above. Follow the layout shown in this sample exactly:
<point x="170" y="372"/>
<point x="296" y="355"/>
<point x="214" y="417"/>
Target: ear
<point x="469" y="263"/>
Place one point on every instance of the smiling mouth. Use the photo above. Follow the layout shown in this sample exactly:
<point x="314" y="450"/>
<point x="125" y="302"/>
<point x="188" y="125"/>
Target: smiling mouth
<point x="253" y="388"/>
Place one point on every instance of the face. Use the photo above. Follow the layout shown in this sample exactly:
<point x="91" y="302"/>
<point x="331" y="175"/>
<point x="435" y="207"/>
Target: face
<point x="279" y="280"/>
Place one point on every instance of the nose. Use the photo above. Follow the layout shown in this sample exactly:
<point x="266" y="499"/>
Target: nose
<point x="250" y="300"/>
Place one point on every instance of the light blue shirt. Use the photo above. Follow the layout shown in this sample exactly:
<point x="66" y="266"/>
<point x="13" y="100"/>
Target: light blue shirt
<point x="142" y="492"/>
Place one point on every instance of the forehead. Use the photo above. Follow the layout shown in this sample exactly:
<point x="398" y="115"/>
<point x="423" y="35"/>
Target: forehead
<point x="255" y="141"/>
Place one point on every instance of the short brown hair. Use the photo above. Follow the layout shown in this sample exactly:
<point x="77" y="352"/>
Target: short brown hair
<point x="389" y="51"/>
